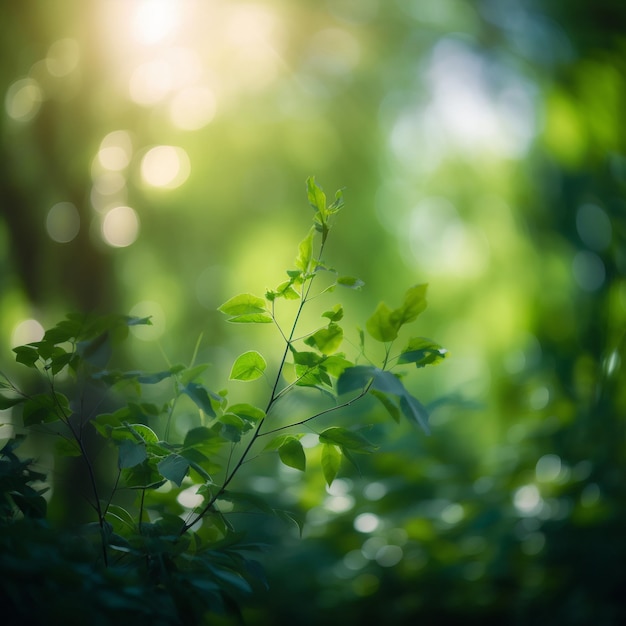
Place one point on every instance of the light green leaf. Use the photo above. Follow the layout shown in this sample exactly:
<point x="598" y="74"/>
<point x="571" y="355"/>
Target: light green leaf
<point x="243" y="304"/>
<point x="191" y="374"/>
<point x="335" y="314"/>
<point x="326" y="340"/>
<point x="414" y="303"/>
<point x="305" y="252"/>
<point x="252" y="318"/>
<point x="331" y="461"/>
<point x="291" y="453"/>
<point x="248" y="366"/>
<point x="350" y="282"/>
<point x="247" y="411"/>
<point x="381" y="325"/>
<point x="316" y="196"/>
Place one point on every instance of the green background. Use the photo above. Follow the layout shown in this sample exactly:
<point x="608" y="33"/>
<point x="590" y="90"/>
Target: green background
<point x="481" y="149"/>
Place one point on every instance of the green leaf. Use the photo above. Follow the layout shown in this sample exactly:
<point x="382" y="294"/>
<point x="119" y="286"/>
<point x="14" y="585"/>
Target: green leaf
<point x="247" y="411"/>
<point x="335" y="314"/>
<point x="248" y="366"/>
<point x="242" y="304"/>
<point x="45" y="408"/>
<point x="326" y="340"/>
<point x="191" y="374"/>
<point x="316" y="196"/>
<point x="336" y="364"/>
<point x="67" y="447"/>
<point x="291" y="453"/>
<point x="7" y="403"/>
<point x="331" y="461"/>
<point x="201" y="397"/>
<point x="415" y="411"/>
<point x="253" y="318"/>
<point x="385" y="323"/>
<point x="381" y="325"/>
<point x="350" y="282"/>
<point x="346" y="439"/>
<point x="305" y="252"/>
<point x="422" y="352"/>
<point x="414" y="303"/>
<point x="26" y="355"/>
<point x="142" y="433"/>
<point x="131" y="453"/>
<point x="143" y="476"/>
<point x="388" y="403"/>
<point x="173" y="467"/>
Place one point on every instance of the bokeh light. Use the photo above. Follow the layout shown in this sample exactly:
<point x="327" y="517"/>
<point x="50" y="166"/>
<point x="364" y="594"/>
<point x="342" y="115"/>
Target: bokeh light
<point x="120" y="227"/>
<point x="63" y="222"/>
<point x="27" y="331"/>
<point x="165" y="167"/>
<point x="23" y="99"/>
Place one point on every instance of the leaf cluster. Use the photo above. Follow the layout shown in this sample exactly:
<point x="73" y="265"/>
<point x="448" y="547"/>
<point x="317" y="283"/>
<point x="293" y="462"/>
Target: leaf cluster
<point x="176" y="532"/>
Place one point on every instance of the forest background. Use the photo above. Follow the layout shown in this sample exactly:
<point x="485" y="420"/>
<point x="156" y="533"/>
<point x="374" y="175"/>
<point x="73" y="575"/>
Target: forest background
<point x="153" y="158"/>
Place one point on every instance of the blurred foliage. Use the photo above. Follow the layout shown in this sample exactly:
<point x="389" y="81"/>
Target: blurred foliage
<point x="482" y="151"/>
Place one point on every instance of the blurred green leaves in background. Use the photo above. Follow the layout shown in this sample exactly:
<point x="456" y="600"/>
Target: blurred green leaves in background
<point x="154" y="155"/>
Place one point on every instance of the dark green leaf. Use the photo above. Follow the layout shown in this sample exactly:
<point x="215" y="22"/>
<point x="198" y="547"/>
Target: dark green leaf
<point x="67" y="447"/>
<point x="26" y="355"/>
<point x="422" y="352"/>
<point x="346" y="439"/>
<point x="388" y="403"/>
<point x="7" y="403"/>
<point x="291" y="453"/>
<point x="201" y="398"/>
<point x="174" y="468"/>
<point x="45" y="408"/>
<point x="131" y="453"/>
<point x="415" y="411"/>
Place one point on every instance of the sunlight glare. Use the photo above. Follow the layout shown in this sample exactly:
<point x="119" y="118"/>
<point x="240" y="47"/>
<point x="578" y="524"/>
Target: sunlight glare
<point x="192" y="108"/>
<point x="155" y="20"/>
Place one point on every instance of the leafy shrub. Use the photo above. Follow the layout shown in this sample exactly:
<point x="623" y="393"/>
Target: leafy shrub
<point x="147" y="555"/>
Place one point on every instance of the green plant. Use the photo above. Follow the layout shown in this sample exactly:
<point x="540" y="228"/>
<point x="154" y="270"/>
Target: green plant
<point x="191" y="560"/>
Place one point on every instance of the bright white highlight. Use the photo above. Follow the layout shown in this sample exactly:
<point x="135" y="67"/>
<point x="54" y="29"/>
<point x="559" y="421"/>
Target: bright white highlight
<point x="120" y="227"/>
<point x="166" y="167"/>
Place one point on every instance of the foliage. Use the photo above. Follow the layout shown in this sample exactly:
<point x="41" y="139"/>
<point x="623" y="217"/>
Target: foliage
<point x="146" y="552"/>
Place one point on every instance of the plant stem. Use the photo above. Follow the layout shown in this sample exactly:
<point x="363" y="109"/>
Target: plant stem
<point x="272" y="399"/>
